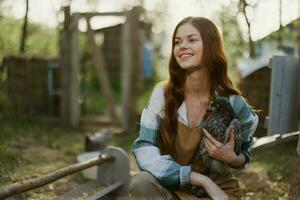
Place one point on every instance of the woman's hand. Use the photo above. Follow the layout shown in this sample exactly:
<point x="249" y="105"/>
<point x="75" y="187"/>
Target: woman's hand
<point x="223" y="152"/>
<point x="218" y="150"/>
<point x="212" y="189"/>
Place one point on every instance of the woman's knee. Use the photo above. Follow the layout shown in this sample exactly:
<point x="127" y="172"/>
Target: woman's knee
<point x="145" y="186"/>
<point x="142" y="182"/>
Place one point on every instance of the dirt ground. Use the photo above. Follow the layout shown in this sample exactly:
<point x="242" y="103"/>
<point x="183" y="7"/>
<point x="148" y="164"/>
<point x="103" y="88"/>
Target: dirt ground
<point x="267" y="177"/>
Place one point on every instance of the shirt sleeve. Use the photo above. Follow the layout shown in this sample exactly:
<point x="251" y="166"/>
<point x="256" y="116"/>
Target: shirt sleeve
<point x="145" y="148"/>
<point x="249" y="121"/>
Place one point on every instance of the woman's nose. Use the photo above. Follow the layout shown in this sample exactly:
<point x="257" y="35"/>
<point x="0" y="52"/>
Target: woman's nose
<point x="183" y="46"/>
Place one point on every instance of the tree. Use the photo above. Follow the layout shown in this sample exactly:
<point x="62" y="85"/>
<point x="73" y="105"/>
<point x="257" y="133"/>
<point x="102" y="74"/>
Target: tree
<point x="234" y="43"/>
<point x="243" y="6"/>
<point x="280" y="25"/>
<point x="24" y="29"/>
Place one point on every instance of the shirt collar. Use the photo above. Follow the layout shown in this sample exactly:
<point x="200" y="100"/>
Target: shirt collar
<point x="182" y="112"/>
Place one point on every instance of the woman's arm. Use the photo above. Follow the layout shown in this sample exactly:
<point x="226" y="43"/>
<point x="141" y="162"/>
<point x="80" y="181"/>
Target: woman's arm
<point x="225" y="152"/>
<point x="145" y="147"/>
<point x="212" y="189"/>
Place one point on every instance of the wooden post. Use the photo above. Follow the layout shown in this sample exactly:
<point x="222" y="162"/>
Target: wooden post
<point x="70" y="109"/>
<point x="102" y="75"/>
<point x="283" y="96"/>
<point x="294" y="193"/>
<point x="111" y="172"/>
<point x="131" y="62"/>
<point x="298" y="96"/>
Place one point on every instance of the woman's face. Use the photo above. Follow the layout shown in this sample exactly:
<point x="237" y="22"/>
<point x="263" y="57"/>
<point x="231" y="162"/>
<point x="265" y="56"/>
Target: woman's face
<point x="188" y="47"/>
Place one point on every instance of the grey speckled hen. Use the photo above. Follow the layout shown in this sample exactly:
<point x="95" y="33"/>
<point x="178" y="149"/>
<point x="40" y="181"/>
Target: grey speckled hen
<point x="219" y="120"/>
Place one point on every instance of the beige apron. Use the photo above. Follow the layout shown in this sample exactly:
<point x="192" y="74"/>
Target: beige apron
<point x="186" y="146"/>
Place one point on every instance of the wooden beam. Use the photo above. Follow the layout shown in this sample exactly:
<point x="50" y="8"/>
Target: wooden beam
<point x="27" y="185"/>
<point x="94" y="14"/>
<point x="269" y="141"/>
<point x="283" y="98"/>
<point x="101" y="72"/>
<point x="80" y="191"/>
<point x="69" y="61"/>
<point x="106" y="191"/>
<point x="131" y="70"/>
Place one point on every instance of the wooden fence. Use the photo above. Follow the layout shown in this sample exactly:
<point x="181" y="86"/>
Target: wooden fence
<point x="31" y="84"/>
<point x="131" y="48"/>
<point x="112" y="172"/>
<point x="284" y="95"/>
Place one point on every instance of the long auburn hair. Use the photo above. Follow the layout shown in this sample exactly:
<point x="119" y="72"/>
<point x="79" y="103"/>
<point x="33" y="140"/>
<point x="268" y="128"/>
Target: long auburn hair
<point x="213" y="58"/>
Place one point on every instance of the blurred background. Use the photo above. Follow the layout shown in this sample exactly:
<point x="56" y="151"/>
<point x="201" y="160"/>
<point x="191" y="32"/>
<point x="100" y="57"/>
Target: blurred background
<point x="69" y="69"/>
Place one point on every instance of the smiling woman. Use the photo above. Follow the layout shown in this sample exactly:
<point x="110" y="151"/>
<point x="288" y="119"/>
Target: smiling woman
<point x="188" y="46"/>
<point x="171" y="125"/>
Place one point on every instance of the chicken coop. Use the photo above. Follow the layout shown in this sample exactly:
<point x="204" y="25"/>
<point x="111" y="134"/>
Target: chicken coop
<point x="31" y="85"/>
<point x="255" y="87"/>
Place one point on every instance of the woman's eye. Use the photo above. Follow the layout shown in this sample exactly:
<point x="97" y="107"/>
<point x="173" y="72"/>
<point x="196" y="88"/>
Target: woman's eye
<point x="176" y="42"/>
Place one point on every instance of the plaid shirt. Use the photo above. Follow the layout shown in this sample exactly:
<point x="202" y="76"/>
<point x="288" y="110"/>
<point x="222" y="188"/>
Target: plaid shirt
<point x="163" y="167"/>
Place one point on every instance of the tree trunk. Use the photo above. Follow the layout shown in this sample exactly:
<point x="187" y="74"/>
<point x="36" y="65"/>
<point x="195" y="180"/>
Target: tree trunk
<point x="24" y="29"/>
<point x="279" y="39"/>
<point x="251" y="42"/>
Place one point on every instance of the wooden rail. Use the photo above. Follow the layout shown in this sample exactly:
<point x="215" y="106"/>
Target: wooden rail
<point x="269" y="141"/>
<point x="27" y="185"/>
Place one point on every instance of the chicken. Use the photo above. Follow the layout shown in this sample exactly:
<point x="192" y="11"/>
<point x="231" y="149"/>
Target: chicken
<point x="219" y="120"/>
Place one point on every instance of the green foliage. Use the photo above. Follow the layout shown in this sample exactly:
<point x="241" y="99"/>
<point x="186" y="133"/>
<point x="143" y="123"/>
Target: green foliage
<point x="234" y="43"/>
<point x="41" y="40"/>
<point x="9" y="35"/>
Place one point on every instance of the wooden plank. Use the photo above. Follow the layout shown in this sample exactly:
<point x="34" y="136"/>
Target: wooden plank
<point x="106" y="191"/>
<point x="283" y="98"/>
<point x="70" y="108"/>
<point x="288" y="114"/>
<point x="275" y="94"/>
<point x="298" y="99"/>
<point x="74" y="73"/>
<point x="269" y="141"/>
<point x="131" y="62"/>
<point x="80" y="191"/>
<point x="65" y="63"/>
<point x="102" y="75"/>
<point x="30" y="184"/>
<point x="94" y="14"/>
<point x="118" y="170"/>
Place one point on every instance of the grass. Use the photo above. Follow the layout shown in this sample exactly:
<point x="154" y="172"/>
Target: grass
<point x="31" y="147"/>
<point x="269" y="175"/>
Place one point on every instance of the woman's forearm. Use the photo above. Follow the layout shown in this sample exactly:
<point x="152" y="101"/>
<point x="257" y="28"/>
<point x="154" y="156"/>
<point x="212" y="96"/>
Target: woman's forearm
<point x="197" y="179"/>
<point x="237" y="161"/>
<point x="212" y="189"/>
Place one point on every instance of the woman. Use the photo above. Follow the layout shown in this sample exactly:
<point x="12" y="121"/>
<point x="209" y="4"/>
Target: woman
<point x="170" y="129"/>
